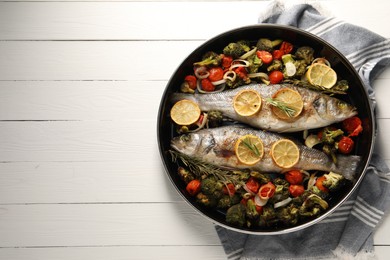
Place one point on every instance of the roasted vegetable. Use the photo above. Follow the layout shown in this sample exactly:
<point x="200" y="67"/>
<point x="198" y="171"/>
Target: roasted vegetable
<point x="211" y="187"/>
<point x="254" y="64"/>
<point x="227" y="201"/>
<point x="281" y="190"/>
<point x="206" y="200"/>
<point x="251" y="211"/>
<point x="312" y="206"/>
<point x="275" y="65"/>
<point x="262" y="178"/>
<point x="210" y="59"/>
<point x="288" y="215"/>
<point x="334" y="181"/>
<point x="305" y="53"/>
<point x="215" y="118"/>
<point x="268" y="217"/>
<point x="234" y="49"/>
<point x="235" y="215"/>
<point x="185" y="175"/>
<point x="267" y="44"/>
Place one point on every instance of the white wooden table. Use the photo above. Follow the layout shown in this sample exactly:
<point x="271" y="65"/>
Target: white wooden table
<point x="80" y="85"/>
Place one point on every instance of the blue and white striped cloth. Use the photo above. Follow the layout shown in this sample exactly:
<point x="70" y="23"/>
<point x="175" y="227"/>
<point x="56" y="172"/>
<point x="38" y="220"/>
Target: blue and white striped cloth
<point x="348" y="232"/>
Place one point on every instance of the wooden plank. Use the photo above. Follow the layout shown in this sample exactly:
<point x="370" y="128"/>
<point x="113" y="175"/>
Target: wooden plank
<point x="85" y="182"/>
<point x="137" y="20"/>
<point x="214" y="252"/>
<point x="102" y="100"/>
<point x="95" y="60"/>
<point x="103" y="225"/>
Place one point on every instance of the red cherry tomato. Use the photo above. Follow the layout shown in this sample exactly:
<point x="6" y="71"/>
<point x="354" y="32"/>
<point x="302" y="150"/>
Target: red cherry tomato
<point x="294" y="177"/>
<point x="253" y="185"/>
<point x="191" y="80"/>
<point x="265" y="56"/>
<point x="286" y="47"/>
<point x="277" y="54"/>
<point x="275" y="77"/>
<point x="207" y="85"/>
<point x="216" y="74"/>
<point x="229" y="189"/>
<point x="226" y="61"/>
<point x="193" y="187"/>
<point x="319" y="184"/>
<point x="267" y="191"/>
<point x="296" y="190"/>
<point x="353" y="126"/>
<point x="345" y="145"/>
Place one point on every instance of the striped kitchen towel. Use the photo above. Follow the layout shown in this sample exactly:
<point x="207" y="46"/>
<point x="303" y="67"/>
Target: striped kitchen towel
<point x="348" y="232"/>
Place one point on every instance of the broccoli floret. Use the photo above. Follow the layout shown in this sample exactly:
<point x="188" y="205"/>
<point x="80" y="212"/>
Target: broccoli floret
<point x="275" y="65"/>
<point x="209" y="59"/>
<point x="281" y="190"/>
<point x="267" y="44"/>
<point x="329" y="135"/>
<point x="288" y="215"/>
<point x="300" y="66"/>
<point x="234" y="50"/>
<point x="245" y="45"/>
<point x="211" y="187"/>
<point x="235" y="215"/>
<point x="215" y="118"/>
<point x="312" y="206"/>
<point x="206" y="200"/>
<point x="227" y="201"/>
<point x="333" y="181"/>
<point x="254" y="63"/>
<point x="251" y="212"/>
<point x="305" y="53"/>
<point x="263" y="178"/>
<point x="268" y="217"/>
<point x="185" y="175"/>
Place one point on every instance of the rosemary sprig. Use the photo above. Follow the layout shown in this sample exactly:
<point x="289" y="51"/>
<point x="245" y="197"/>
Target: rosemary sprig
<point x="200" y="168"/>
<point x="282" y="106"/>
<point x="247" y="142"/>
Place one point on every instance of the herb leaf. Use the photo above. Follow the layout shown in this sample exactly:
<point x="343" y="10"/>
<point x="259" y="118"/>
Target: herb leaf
<point x="247" y="142"/>
<point x="282" y="106"/>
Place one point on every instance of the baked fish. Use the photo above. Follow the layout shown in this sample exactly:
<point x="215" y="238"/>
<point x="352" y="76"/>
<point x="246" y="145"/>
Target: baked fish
<point x="319" y="110"/>
<point x="217" y="146"/>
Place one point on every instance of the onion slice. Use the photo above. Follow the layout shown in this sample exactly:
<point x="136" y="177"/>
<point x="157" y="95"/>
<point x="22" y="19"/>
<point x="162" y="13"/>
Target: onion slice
<point x="259" y="75"/>
<point x="259" y="201"/>
<point x="282" y="203"/>
<point x="201" y="72"/>
<point x="239" y="63"/>
<point x="248" y="54"/>
<point x="204" y="122"/>
<point x="230" y="75"/>
<point x="218" y="82"/>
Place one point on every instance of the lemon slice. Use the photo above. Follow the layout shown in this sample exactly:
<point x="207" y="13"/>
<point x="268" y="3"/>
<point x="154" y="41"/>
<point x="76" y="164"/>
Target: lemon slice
<point x="247" y="102"/>
<point x="285" y="153"/>
<point x="321" y="75"/>
<point x="249" y="149"/>
<point x="185" y="112"/>
<point x="287" y="103"/>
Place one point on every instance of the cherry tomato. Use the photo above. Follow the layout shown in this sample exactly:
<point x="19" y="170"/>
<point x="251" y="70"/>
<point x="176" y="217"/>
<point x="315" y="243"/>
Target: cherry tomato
<point x="277" y="54"/>
<point x="319" y="184"/>
<point x="207" y="85"/>
<point x="191" y="80"/>
<point x="226" y="61"/>
<point x="244" y="202"/>
<point x="267" y="191"/>
<point x="253" y="185"/>
<point x="286" y="47"/>
<point x="229" y="189"/>
<point x="265" y="56"/>
<point x="296" y="190"/>
<point x="193" y="187"/>
<point x="345" y="145"/>
<point x="216" y="74"/>
<point x="294" y="177"/>
<point x="275" y="77"/>
<point x="241" y="72"/>
<point x="353" y="126"/>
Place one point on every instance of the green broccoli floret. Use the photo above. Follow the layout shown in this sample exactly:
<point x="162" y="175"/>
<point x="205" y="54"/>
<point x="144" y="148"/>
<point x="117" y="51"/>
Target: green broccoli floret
<point x="333" y="181"/>
<point x="288" y="215"/>
<point x="312" y="206"/>
<point x="251" y="212"/>
<point x="268" y="217"/>
<point x="300" y="66"/>
<point x="281" y="190"/>
<point x="185" y="174"/>
<point x="211" y="187"/>
<point x="263" y="178"/>
<point x="305" y="53"/>
<point x="214" y="118"/>
<point x="210" y="59"/>
<point x="227" y="201"/>
<point x="234" y="50"/>
<point x="206" y="200"/>
<point x="235" y="215"/>
<point x="267" y="44"/>
<point x="245" y="45"/>
<point x="254" y="63"/>
<point x="329" y="135"/>
<point x="275" y="65"/>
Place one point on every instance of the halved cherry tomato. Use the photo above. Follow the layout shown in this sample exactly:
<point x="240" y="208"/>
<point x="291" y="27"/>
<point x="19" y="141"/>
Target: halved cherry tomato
<point x="226" y="61"/>
<point x="191" y="80"/>
<point x="286" y="47"/>
<point x="294" y="177"/>
<point x="345" y="145"/>
<point x="216" y="74"/>
<point x="266" y="191"/>
<point x="296" y="190"/>
<point x="207" y="85"/>
<point x="252" y="184"/>
<point x="265" y="56"/>
<point x="277" y="54"/>
<point x="229" y="189"/>
<point x="319" y="184"/>
<point x="193" y="187"/>
<point x="275" y="77"/>
<point x="353" y="126"/>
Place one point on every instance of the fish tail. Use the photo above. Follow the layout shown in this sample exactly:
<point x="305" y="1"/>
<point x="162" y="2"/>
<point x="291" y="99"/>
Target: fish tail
<point x="347" y="165"/>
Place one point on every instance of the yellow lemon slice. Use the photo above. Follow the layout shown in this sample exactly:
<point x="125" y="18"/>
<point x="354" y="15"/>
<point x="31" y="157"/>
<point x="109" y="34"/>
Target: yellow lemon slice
<point x="185" y="112"/>
<point x="249" y="149"/>
<point x="285" y="153"/>
<point x="247" y="102"/>
<point x="287" y="103"/>
<point x="321" y="75"/>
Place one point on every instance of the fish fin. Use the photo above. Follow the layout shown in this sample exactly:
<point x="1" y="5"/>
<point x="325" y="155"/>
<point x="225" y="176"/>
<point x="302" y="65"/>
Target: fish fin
<point x="347" y="165"/>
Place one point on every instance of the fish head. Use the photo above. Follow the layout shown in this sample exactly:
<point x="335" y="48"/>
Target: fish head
<point x="194" y="144"/>
<point x="332" y="109"/>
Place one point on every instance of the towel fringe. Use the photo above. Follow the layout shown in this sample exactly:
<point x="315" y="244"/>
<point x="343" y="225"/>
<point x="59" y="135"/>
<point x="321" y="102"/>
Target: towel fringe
<point x="343" y="254"/>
